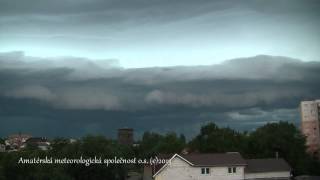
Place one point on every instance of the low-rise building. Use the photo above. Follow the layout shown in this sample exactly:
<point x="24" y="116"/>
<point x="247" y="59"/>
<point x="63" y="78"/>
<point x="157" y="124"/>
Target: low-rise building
<point x="221" y="166"/>
<point x="17" y="141"/>
<point x="38" y="142"/>
<point x="2" y="147"/>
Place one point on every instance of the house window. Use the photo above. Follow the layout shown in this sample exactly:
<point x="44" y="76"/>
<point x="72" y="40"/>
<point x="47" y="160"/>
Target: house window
<point x="205" y="170"/>
<point x="232" y="170"/>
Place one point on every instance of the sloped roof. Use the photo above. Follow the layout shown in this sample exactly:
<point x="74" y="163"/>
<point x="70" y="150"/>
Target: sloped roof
<point x="36" y="140"/>
<point x="216" y="159"/>
<point x="267" y="165"/>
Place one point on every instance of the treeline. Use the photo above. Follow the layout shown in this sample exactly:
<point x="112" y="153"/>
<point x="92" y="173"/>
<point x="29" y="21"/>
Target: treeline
<point x="282" y="138"/>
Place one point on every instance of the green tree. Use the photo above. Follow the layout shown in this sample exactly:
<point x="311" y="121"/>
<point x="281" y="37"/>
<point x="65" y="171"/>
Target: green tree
<point x="100" y="147"/>
<point x="285" y="139"/>
<point x="153" y="144"/>
<point x="216" y="140"/>
<point x="149" y="144"/>
<point x="58" y="144"/>
<point x="171" y="143"/>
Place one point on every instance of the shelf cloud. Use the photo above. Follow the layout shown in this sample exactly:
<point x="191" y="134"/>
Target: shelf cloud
<point x="250" y="90"/>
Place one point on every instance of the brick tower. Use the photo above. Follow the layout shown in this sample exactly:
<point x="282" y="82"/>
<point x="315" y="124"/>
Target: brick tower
<point x="125" y="136"/>
<point x="310" y="117"/>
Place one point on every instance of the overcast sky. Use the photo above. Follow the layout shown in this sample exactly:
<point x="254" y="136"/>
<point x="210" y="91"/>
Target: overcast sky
<point x="77" y="67"/>
<point x="144" y="33"/>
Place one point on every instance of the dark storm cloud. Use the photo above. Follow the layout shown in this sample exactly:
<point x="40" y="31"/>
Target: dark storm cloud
<point x="103" y="12"/>
<point x="16" y="7"/>
<point x="109" y="12"/>
<point x="100" y="84"/>
<point x="81" y="83"/>
<point x="92" y="94"/>
<point x="153" y="7"/>
<point x="83" y="95"/>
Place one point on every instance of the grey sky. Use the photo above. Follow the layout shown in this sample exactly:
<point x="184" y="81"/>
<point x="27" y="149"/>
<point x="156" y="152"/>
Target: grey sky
<point x="144" y="33"/>
<point x="75" y="67"/>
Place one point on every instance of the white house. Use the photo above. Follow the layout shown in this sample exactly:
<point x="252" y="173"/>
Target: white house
<point x="223" y="166"/>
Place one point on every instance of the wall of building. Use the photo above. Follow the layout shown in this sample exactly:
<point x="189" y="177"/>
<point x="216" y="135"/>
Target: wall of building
<point x="310" y="124"/>
<point x="125" y="136"/>
<point x="180" y="170"/>
<point x="266" y="175"/>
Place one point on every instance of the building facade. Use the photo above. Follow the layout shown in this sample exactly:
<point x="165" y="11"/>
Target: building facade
<point x="38" y="142"/>
<point x="310" y="118"/>
<point x="17" y="141"/>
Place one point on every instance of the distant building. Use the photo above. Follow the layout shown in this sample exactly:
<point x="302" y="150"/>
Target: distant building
<point x="38" y="142"/>
<point x="72" y="140"/>
<point x="2" y="147"/>
<point x="310" y="117"/>
<point x="220" y="166"/>
<point x="125" y="136"/>
<point x="17" y="141"/>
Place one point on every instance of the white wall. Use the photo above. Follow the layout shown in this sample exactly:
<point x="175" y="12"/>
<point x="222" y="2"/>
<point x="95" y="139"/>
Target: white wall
<point x="284" y="174"/>
<point x="180" y="170"/>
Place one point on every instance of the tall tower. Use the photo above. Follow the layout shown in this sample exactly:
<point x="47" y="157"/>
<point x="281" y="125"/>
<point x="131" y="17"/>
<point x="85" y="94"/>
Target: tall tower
<point x="125" y="136"/>
<point x="310" y="117"/>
